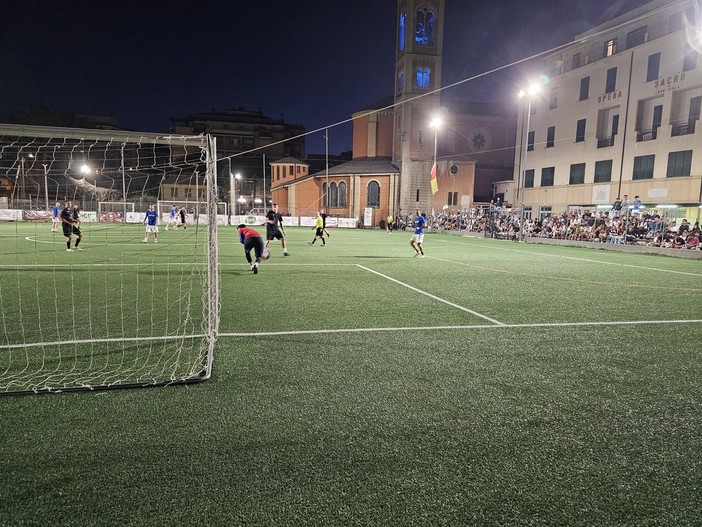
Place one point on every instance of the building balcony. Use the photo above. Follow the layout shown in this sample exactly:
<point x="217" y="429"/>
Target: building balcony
<point x="603" y="142"/>
<point x="682" y="129"/>
<point x="646" y="135"/>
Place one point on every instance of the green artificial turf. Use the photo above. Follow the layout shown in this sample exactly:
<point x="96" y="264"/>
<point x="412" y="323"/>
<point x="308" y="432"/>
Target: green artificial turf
<point x="565" y="392"/>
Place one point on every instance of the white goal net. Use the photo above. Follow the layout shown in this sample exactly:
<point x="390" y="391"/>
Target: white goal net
<point x="114" y="211"/>
<point x="102" y="308"/>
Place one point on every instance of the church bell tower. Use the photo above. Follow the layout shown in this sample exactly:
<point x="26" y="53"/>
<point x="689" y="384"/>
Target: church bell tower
<point x="419" y="52"/>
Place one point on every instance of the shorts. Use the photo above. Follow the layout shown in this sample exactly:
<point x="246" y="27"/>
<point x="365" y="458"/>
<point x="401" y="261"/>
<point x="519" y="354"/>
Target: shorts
<point x="319" y="231"/>
<point x="418" y="238"/>
<point x="68" y="230"/>
<point x="55" y="219"/>
<point x="152" y="228"/>
<point x="273" y="233"/>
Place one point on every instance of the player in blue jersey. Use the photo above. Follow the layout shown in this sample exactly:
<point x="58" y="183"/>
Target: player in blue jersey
<point x="417" y="240"/>
<point x="172" y="217"/>
<point x="151" y="220"/>
<point x="55" y="216"/>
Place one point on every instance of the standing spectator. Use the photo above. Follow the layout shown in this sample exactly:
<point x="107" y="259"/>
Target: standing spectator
<point x="617" y="208"/>
<point x="417" y="240"/>
<point x="151" y="220"/>
<point x="69" y="227"/>
<point x="636" y="205"/>
<point x="274" y="228"/>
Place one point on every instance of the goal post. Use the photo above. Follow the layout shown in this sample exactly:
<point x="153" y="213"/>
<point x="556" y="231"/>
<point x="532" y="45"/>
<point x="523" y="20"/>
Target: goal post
<point x="109" y="310"/>
<point x="114" y="211"/>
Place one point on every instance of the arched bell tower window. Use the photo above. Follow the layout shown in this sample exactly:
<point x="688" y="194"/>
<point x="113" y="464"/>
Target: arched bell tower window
<point x="402" y="32"/>
<point x="424" y="33"/>
<point x="401" y="82"/>
<point x="423" y="77"/>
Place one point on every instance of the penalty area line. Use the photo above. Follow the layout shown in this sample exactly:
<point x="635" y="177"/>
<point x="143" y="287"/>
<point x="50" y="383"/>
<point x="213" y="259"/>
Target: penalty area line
<point x="434" y="297"/>
<point x="445" y="328"/>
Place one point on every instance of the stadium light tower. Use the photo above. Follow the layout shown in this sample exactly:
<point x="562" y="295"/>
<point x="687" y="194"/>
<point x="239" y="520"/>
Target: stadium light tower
<point x="533" y="89"/>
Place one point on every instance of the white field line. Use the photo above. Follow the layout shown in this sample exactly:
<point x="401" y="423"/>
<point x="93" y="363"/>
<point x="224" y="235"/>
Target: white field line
<point x="444" y="328"/>
<point x="475" y="313"/>
<point x="588" y="260"/>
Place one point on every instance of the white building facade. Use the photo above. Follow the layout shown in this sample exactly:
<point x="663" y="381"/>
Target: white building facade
<point x="618" y="113"/>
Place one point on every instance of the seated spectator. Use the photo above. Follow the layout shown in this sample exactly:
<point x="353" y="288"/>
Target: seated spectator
<point x="692" y="241"/>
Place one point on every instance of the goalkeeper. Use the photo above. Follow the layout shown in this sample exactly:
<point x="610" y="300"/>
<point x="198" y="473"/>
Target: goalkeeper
<point x="252" y="241"/>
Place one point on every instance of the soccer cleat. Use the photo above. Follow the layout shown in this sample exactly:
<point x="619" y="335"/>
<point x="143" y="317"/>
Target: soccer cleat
<point x="423" y="256"/>
<point x="286" y="253"/>
<point x="69" y="250"/>
<point x="254" y="268"/>
<point x="155" y="241"/>
<point x="310" y="243"/>
<point x="79" y="248"/>
<point x="143" y="241"/>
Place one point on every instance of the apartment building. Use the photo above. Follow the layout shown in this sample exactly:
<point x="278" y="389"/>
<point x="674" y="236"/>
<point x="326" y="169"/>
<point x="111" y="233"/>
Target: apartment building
<point x="617" y="112"/>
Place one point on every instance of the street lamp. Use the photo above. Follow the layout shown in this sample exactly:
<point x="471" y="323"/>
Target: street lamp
<point x="234" y="178"/>
<point x="531" y="90"/>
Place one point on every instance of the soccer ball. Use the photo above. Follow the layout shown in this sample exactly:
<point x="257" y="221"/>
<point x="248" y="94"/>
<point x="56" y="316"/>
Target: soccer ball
<point x="266" y="254"/>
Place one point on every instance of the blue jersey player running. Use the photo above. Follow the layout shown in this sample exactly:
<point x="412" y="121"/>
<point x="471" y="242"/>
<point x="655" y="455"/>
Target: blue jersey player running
<point x="417" y="240"/>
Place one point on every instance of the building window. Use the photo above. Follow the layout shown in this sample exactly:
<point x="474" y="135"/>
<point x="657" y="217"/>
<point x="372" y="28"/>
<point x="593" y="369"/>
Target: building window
<point x="575" y="64"/>
<point x="547" y="176"/>
<point x="423" y="77"/>
<point x="529" y="178"/>
<point x="174" y="192"/>
<point x="654" y="66"/>
<point x="690" y="58"/>
<point x="675" y="22"/>
<point x="417" y="199"/>
<point x="553" y="101"/>
<point x="550" y="136"/>
<point x="526" y="213"/>
<point x="188" y="193"/>
<point x="636" y="37"/>
<point x="580" y="131"/>
<point x="544" y="212"/>
<point x="401" y="82"/>
<point x="584" y="88"/>
<point x="530" y="141"/>
<point x="401" y="33"/>
<point x="603" y="171"/>
<point x="611" y="84"/>
<point x="373" y="196"/>
<point x="420" y="136"/>
<point x="577" y="174"/>
<point x="424" y="33"/>
<point x="679" y="164"/>
<point x="452" y="199"/>
<point x="285" y="170"/>
<point x="298" y="169"/>
<point x="342" y="195"/>
<point x="643" y="167"/>
<point x="610" y="48"/>
<point x="333" y="195"/>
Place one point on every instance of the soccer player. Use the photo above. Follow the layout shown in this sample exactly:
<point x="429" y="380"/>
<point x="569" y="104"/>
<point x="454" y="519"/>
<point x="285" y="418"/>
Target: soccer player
<point x="76" y="215"/>
<point x="252" y="241"/>
<point x="417" y="240"/>
<point x="181" y="212"/>
<point x="172" y="217"/>
<point x="324" y="222"/>
<point x="55" y="216"/>
<point x="274" y="227"/>
<point x="319" y="230"/>
<point x="151" y="220"/>
<point x="69" y="227"/>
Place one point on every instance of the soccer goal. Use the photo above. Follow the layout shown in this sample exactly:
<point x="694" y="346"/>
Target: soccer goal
<point x="108" y="310"/>
<point x="195" y="211"/>
<point x="114" y="211"/>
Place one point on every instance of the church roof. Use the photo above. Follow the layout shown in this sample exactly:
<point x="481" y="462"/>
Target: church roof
<point x="289" y="161"/>
<point x="382" y="103"/>
<point x="362" y="167"/>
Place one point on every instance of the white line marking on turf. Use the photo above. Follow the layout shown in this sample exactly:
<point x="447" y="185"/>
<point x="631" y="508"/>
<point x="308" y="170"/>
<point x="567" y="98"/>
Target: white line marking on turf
<point x="588" y="260"/>
<point x="476" y="326"/>
<point x="475" y="313"/>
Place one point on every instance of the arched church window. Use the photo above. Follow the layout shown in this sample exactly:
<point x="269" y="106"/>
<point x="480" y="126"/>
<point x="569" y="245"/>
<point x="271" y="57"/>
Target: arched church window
<point x="424" y="33"/>
<point x="342" y="195"/>
<point x="403" y="26"/>
<point x="373" y="195"/>
<point x="333" y="195"/>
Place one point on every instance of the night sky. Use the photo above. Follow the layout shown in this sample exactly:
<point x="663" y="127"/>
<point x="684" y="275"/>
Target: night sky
<point x="314" y="61"/>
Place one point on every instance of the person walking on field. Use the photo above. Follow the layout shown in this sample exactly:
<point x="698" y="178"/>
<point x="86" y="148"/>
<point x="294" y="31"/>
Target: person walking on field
<point x="252" y="242"/>
<point x="55" y="216"/>
<point x="417" y="240"/>
<point x="319" y="230"/>
<point x="181" y="212"/>
<point x="70" y="228"/>
<point x="151" y="220"/>
<point x="274" y="227"/>
<point x="172" y="218"/>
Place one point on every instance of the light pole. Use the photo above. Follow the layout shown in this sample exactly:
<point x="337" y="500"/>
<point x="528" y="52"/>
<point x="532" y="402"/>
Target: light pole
<point x="237" y="177"/>
<point x="531" y="90"/>
<point x="437" y="122"/>
<point x="46" y="184"/>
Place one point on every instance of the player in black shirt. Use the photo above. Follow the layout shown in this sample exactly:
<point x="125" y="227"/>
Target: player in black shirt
<point x="69" y="227"/>
<point x="274" y="228"/>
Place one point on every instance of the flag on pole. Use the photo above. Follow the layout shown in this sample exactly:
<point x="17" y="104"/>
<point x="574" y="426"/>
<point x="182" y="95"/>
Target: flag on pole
<point x="433" y="181"/>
